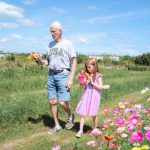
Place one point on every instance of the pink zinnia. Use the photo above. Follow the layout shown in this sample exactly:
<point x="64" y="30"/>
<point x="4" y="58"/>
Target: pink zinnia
<point x="137" y="137"/>
<point x="96" y="133"/>
<point x="147" y="135"/>
<point x="131" y="101"/>
<point x="120" y="122"/>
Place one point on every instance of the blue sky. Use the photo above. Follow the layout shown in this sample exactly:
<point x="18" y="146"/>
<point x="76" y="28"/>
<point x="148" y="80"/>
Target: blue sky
<point x="120" y="27"/>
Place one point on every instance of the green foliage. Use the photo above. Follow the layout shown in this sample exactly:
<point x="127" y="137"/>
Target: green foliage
<point x="138" y="68"/>
<point x="23" y="97"/>
<point x="143" y="59"/>
<point x="81" y="58"/>
<point x="10" y="57"/>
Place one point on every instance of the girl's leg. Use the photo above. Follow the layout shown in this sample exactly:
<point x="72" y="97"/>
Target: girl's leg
<point x="82" y="120"/>
<point x="95" y="122"/>
<point x="80" y="132"/>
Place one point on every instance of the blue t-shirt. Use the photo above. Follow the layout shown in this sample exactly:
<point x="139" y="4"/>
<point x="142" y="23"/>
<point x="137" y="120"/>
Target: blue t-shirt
<point x="59" y="54"/>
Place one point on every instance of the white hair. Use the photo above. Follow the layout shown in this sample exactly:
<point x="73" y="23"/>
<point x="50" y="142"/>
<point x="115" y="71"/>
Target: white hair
<point x="56" y="24"/>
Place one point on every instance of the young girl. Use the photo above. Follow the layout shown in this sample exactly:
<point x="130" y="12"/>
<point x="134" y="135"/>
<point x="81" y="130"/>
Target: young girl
<point x="90" y="100"/>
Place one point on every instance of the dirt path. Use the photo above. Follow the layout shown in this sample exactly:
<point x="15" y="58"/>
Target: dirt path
<point x="12" y="144"/>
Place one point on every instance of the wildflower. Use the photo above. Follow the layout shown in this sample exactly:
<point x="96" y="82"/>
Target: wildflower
<point x="137" y="137"/>
<point x="106" y="110"/>
<point x="145" y="147"/>
<point x="121" y="105"/>
<point x="147" y="128"/>
<point x="131" y="101"/>
<point x="83" y="77"/>
<point x="147" y="135"/>
<point x="148" y="100"/>
<point x="120" y="122"/>
<point x="145" y="90"/>
<point x="91" y="143"/>
<point x="113" y="145"/>
<point x="34" y="56"/>
<point x="56" y="148"/>
<point x="121" y="129"/>
<point x="124" y="135"/>
<point x="96" y="133"/>
<point x="136" y="148"/>
<point x="108" y="137"/>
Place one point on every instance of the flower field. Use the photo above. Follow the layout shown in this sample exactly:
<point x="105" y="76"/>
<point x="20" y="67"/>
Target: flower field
<point x="25" y="117"/>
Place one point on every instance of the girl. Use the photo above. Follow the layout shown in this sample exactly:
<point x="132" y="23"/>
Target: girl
<point x="90" y="100"/>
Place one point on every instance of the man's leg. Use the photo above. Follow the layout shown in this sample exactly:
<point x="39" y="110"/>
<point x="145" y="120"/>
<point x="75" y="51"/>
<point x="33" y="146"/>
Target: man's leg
<point x="66" y="107"/>
<point x="53" y="108"/>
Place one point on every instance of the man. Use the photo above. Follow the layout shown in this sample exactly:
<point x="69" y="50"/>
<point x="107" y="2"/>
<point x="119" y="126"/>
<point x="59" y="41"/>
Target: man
<point x="62" y="66"/>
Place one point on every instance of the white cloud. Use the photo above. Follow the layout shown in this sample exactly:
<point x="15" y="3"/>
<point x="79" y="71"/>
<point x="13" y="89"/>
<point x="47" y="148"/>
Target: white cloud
<point x="10" y="11"/>
<point x="92" y="7"/>
<point x="11" y="37"/>
<point x="29" y="2"/>
<point x="80" y="40"/>
<point x="107" y="19"/>
<point x="3" y="40"/>
<point x="8" y="25"/>
<point x="26" y="22"/>
<point x="16" y="36"/>
<point x="59" y="10"/>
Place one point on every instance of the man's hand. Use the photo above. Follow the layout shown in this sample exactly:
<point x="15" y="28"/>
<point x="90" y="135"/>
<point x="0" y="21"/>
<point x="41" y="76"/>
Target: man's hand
<point x="69" y="84"/>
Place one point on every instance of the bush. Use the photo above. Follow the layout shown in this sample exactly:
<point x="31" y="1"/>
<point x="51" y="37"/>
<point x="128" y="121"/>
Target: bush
<point x="138" y="68"/>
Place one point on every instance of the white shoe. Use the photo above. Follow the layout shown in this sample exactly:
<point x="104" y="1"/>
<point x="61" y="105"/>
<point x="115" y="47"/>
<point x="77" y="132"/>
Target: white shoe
<point x="55" y="129"/>
<point x="79" y="134"/>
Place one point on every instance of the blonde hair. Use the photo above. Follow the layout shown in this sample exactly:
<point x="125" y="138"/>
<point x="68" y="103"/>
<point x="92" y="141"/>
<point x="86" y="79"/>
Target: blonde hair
<point x="93" y="62"/>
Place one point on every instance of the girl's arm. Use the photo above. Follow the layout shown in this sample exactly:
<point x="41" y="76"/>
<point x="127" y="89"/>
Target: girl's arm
<point x="99" y="85"/>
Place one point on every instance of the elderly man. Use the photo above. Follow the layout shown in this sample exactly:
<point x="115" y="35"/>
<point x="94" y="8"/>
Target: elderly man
<point x="62" y="66"/>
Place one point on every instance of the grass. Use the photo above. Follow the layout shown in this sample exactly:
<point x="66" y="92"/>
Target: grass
<point x="25" y="115"/>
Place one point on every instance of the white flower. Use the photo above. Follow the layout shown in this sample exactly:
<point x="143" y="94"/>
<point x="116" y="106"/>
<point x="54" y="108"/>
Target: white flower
<point x="124" y="135"/>
<point x="145" y="90"/>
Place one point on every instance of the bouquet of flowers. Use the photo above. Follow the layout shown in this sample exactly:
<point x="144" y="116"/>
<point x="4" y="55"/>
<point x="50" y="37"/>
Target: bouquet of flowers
<point x="35" y="57"/>
<point x="82" y="77"/>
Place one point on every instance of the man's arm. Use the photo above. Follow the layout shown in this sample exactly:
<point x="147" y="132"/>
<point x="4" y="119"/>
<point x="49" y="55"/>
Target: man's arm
<point x="73" y="70"/>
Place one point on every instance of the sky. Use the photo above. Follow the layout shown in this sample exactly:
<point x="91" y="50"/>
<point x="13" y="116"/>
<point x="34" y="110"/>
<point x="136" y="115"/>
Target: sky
<point x="116" y="27"/>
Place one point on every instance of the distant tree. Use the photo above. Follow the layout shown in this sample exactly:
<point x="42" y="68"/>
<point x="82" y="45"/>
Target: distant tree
<point x="143" y="59"/>
<point x="81" y="58"/>
<point x="10" y="57"/>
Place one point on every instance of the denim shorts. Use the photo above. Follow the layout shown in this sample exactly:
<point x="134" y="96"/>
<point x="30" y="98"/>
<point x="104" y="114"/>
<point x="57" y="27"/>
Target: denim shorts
<point x="57" y="86"/>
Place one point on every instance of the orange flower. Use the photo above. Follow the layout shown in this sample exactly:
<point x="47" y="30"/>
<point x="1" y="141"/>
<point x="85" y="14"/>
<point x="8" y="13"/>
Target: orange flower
<point x="108" y="137"/>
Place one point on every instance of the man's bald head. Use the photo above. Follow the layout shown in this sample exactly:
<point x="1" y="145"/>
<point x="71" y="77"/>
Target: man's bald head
<point x="56" y="25"/>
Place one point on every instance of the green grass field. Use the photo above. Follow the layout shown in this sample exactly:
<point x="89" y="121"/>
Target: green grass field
<point x="25" y="117"/>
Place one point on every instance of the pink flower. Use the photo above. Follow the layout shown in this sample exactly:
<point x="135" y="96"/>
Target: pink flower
<point x="56" y="148"/>
<point x="147" y="135"/>
<point x="147" y="128"/>
<point x="120" y="122"/>
<point x="137" y="137"/>
<point x="82" y="77"/>
<point x="96" y="133"/>
<point x="106" y="110"/>
<point x="131" y="101"/>
<point x="113" y="145"/>
<point x="134" y="119"/>
<point x="126" y="103"/>
<point x="91" y="143"/>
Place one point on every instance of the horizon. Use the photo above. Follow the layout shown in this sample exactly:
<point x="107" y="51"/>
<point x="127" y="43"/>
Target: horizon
<point x="94" y="27"/>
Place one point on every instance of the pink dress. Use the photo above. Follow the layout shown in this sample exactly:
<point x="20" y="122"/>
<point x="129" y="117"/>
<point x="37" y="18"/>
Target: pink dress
<point x="90" y="100"/>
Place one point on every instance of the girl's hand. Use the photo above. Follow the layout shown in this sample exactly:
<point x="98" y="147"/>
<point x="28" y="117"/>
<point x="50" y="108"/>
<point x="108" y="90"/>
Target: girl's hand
<point x="91" y="80"/>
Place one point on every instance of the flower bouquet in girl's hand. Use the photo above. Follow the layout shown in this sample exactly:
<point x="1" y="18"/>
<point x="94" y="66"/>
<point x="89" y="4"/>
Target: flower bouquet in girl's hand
<point x="82" y="77"/>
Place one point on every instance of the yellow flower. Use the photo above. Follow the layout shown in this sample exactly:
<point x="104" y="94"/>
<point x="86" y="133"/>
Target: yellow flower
<point x="136" y="148"/>
<point x="112" y="124"/>
<point x="29" y="59"/>
<point x="145" y="147"/>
